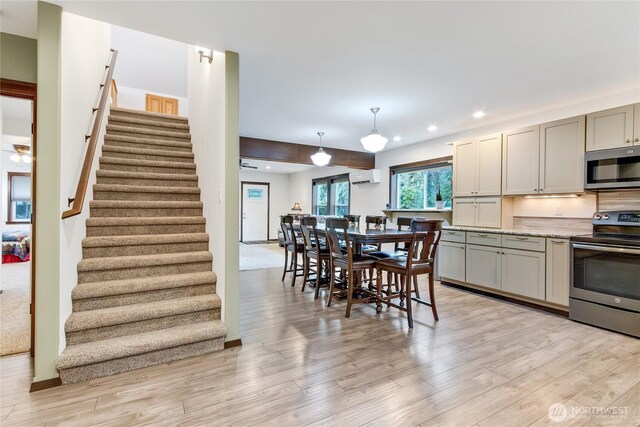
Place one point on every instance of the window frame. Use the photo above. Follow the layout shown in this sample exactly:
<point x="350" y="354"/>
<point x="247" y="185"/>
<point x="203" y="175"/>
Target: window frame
<point x="10" y="213"/>
<point x="411" y="167"/>
<point x="329" y="181"/>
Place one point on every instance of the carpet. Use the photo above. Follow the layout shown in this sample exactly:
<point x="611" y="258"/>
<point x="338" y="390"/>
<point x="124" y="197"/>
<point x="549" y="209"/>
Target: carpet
<point x="15" y="328"/>
<point x="255" y="257"/>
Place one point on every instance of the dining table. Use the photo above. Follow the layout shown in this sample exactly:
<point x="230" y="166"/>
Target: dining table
<point x="373" y="236"/>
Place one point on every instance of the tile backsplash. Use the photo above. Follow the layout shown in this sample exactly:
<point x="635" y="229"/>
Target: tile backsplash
<point x="619" y="200"/>
<point x="577" y="225"/>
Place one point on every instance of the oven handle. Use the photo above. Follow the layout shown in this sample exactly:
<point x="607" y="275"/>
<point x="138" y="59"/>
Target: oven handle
<point x="607" y="248"/>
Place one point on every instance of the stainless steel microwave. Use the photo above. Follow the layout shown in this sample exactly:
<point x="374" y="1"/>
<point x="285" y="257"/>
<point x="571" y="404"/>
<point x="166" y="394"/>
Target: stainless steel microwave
<point x="617" y="168"/>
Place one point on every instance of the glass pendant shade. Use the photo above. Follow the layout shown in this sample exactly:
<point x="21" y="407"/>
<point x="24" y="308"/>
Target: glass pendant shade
<point x="373" y="142"/>
<point x="321" y="158"/>
<point x="16" y="158"/>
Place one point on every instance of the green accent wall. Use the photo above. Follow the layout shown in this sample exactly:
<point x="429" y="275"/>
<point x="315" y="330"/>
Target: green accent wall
<point x="48" y="210"/>
<point x="18" y="58"/>
<point x="232" y="192"/>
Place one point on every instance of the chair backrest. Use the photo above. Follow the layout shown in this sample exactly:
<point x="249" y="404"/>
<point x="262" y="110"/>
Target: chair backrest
<point x="334" y="236"/>
<point x="426" y="236"/>
<point x="309" y="232"/>
<point x="374" y="220"/>
<point x="286" y="224"/>
<point x="341" y="223"/>
<point x="354" y="220"/>
<point x="403" y="223"/>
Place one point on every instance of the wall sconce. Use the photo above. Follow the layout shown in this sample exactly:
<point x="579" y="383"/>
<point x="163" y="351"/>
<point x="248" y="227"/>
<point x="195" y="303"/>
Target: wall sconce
<point x="296" y="207"/>
<point x="205" y="53"/>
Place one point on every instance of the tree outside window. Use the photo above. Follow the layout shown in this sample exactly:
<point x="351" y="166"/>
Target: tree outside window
<point x="331" y="195"/>
<point x="417" y="188"/>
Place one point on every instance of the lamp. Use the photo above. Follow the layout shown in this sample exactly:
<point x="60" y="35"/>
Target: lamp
<point x="374" y="142"/>
<point x="296" y="207"/>
<point x="22" y="155"/>
<point x="205" y="53"/>
<point x="321" y="158"/>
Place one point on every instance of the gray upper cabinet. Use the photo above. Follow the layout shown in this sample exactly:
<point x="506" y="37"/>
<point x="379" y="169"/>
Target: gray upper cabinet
<point x="477" y="166"/>
<point x="613" y="128"/>
<point x="562" y="156"/>
<point x="520" y="158"/>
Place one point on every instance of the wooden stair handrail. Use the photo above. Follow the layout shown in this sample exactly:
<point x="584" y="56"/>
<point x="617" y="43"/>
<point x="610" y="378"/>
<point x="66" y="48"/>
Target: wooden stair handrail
<point x="98" y="113"/>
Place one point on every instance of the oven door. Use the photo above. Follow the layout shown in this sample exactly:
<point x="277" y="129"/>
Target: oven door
<point x="606" y="274"/>
<point x="611" y="169"/>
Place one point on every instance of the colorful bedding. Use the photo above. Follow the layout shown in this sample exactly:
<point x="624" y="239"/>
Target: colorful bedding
<point x="16" y="246"/>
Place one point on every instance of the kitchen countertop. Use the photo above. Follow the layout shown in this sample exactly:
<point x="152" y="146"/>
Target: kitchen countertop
<point x="551" y="232"/>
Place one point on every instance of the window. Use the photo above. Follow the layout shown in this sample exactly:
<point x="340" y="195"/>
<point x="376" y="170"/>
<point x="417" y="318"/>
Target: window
<point x="331" y="195"/>
<point x="417" y="186"/>
<point x="19" y="209"/>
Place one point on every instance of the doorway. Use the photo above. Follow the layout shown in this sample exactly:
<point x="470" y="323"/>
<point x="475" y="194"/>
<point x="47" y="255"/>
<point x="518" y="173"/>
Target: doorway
<point x="17" y="286"/>
<point x="161" y="104"/>
<point x="254" y="211"/>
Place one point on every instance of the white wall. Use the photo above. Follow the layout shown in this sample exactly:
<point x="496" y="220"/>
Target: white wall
<point x="207" y="121"/>
<point x="279" y="196"/>
<point x="149" y="64"/>
<point x="85" y="45"/>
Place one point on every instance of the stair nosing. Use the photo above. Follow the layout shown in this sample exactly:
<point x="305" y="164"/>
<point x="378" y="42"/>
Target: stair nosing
<point x="136" y="140"/>
<point x="107" y="173"/>
<point x="146" y="163"/>
<point x="136" y="344"/>
<point x="143" y="131"/>
<point x="148" y="113"/>
<point x="126" y="188"/>
<point x="146" y="151"/>
<point x="135" y="261"/>
<point x="144" y="239"/>
<point x="143" y="220"/>
<point x="143" y="122"/>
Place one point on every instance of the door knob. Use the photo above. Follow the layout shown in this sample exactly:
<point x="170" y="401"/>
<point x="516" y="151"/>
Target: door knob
<point x="636" y="140"/>
<point x="628" y="141"/>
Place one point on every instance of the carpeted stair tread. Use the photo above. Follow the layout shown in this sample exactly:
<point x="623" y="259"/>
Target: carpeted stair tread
<point x="140" y="261"/>
<point x="144" y="151"/>
<point x="151" y="116"/>
<point x="150" y="132"/>
<point x="146" y="175"/>
<point x="138" y="240"/>
<point x="122" y="188"/>
<point x="134" y="121"/>
<point x="142" y="284"/>
<point x="147" y="342"/>
<point x="148" y="163"/>
<point x="119" y="315"/>
<point x="145" y="204"/>
<point x="160" y="143"/>
<point x="117" y="221"/>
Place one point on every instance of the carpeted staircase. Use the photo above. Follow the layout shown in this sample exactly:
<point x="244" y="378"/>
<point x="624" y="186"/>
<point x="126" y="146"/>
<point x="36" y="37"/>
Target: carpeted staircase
<point x="146" y="292"/>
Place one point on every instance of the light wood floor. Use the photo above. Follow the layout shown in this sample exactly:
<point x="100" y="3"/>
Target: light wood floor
<point x="486" y="363"/>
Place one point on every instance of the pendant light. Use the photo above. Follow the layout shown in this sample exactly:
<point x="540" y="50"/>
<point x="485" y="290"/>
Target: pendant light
<point x="321" y="158"/>
<point x="374" y="142"/>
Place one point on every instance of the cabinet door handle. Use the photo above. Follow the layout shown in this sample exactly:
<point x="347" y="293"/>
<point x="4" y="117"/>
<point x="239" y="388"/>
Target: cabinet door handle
<point x="451" y="232"/>
<point x="541" y="190"/>
<point x="461" y="247"/>
<point x="628" y="141"/>
<point x="522" y="238"/>
<point x="636" y="140"/>
<point x="483" y="235"/>
<point x="558" y="242"/>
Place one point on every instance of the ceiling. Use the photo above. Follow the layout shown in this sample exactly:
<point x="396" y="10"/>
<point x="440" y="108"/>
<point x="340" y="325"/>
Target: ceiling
<point x="310" y="66"/>
<point x="19" y="17"/>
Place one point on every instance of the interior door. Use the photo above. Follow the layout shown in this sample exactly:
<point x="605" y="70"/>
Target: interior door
<point x="161" y="104"/>
<point x="255" y="212"/>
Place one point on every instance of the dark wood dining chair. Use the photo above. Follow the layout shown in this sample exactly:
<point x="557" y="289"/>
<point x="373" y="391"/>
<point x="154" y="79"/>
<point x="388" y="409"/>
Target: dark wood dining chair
<point x="419" y="260"/>
<point x="293" y="245"/>
<point x="353" y="264"/>
<point x="316" y="255"/>
<point x="354" y="220"/>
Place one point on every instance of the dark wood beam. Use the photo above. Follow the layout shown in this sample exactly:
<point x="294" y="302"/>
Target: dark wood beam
<point x="288" y="152"/>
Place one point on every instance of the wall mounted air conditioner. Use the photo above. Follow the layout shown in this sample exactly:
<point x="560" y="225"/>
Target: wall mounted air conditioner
<point x="371" y="176"/>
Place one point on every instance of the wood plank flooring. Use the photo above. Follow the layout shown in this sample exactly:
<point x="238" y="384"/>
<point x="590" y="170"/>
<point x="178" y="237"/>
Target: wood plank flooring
<point x="485" y="363"/>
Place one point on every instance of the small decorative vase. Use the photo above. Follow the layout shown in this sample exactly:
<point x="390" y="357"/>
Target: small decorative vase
<point x="439" y="204"/>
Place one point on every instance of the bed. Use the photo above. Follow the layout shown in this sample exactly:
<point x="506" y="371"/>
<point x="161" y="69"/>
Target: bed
<point x="16" y="246"/>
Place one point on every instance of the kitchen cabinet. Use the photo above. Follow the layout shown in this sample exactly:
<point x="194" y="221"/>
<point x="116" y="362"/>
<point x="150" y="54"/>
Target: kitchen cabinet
<point x="484" y="266"/>
<point x="613" y="128"/>
<point x="477" y="166"/>
<point x="477" y="211"/>
<point x="520" y="161"/>
<point x="562" y="156"/>
<point x="558" y="269"/>
<point x="452" y="260"/>
<point x="523" y="273"/>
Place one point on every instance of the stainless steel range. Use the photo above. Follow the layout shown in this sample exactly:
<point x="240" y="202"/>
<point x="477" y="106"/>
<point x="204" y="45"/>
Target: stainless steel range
<point x="605" y="273"/>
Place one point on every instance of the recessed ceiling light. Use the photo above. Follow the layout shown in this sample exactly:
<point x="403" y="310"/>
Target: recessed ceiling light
<point x="432" y="128"/>
<point x="478" y="114"/>
<point x="397" y="138"/>
<point x="267" y="167"/>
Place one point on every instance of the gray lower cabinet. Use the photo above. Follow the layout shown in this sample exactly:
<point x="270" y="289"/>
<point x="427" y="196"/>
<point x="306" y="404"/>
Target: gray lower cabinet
<point x="558" y="269"/>
<point x="452" y="260"/>
<point x="484" y="266"/>
<point x="523" y="273"/>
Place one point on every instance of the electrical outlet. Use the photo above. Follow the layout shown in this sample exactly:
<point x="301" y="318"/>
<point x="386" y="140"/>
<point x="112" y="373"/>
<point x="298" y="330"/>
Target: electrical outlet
<point x="559" y="210"/>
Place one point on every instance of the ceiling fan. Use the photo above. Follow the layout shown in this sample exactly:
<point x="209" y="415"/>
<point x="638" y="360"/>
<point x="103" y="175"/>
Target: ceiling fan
<point x="244" y="164"/>
<point x="22" y="153"/>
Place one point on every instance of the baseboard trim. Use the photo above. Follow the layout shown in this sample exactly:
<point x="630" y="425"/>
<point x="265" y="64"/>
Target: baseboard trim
<point x="528" y="304"/>
<point x="44" y="384"/>
<point x="233" y="343"/>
